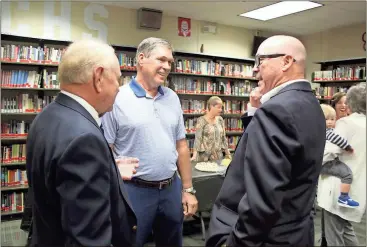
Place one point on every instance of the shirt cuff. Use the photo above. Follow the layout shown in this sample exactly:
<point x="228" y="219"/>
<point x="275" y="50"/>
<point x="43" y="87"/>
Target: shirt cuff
<point x="250" y="110"/>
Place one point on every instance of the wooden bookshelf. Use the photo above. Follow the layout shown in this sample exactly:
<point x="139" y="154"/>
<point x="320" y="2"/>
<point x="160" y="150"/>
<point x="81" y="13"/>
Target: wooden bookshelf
<point x="337" y="76"/>
<point x="29" y="89"/>
<point x="10" y="213"/>
<point x="13" y="164"/>
<point x="13" y="188"/>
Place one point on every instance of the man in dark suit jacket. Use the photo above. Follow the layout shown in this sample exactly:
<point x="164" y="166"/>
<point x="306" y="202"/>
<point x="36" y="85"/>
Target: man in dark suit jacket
<point x="79" y="197"/>
<point x="269" y="190"/>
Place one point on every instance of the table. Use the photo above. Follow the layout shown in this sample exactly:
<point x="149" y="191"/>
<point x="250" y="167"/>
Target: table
<point x="207" y="186"/>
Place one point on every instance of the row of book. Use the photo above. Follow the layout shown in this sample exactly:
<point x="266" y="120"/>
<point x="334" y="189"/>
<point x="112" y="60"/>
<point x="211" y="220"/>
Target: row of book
<point x="200" y="106"/>
<point x="29" y="79"/>
<point x="232" y="143"/>
<point x="204" y="86"/>
<point x="15" y="128"/>
<point x="194" y="66"/>
<point x="126" y="61"/>
<point x="25" y="103"/>
<point x="341" y="73"/>
<point x="31" y="54"/>
<point x="13" y="177"/>
<point x="13" y="201"/>
<point x="46" y="54"/>
<point x="230" y="124"/>
<point x="328" y="92"/>
<point x="14" y="153"/>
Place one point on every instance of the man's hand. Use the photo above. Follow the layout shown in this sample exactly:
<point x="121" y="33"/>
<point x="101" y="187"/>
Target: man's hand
<point x="189" y="203"/>
<point x="255" y="97"/>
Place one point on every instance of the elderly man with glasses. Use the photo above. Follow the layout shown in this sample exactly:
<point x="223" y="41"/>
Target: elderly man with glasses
<point x="269" y="190"/>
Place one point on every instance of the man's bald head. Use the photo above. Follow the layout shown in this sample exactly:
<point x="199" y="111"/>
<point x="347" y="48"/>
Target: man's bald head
<point x="279" y="59"/>
<point x="282" y="44"/>
<point x="81" y="57"/>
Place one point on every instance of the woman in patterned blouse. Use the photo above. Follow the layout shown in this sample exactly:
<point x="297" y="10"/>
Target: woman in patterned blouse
<point x="210" y="136"/>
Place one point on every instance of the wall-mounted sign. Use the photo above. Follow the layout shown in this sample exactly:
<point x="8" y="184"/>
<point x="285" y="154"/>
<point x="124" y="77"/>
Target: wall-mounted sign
<point x="184" y="27"/>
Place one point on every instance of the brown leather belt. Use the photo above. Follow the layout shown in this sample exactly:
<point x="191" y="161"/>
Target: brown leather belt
<point x="152" y="184"/>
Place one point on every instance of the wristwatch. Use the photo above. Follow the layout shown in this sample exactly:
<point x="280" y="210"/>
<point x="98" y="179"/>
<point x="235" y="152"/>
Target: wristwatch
<point x="190" y="190"/>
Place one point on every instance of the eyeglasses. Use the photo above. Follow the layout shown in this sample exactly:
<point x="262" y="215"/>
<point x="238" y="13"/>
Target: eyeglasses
<point x="259" y="58"/>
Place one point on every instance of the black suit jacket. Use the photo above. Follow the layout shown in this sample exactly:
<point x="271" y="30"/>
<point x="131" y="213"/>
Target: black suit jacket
<point x="270" y="186"/>
<point x="78" y="194"/>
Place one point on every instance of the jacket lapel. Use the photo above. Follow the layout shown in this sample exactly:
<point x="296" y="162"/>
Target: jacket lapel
<point x="67" y="101"/>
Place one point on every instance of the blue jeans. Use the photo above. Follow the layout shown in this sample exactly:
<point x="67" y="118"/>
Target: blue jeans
<point x="160" y="211"/>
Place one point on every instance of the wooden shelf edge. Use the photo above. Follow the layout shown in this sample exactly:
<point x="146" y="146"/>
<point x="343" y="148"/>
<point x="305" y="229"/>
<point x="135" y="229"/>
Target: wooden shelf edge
<point x="11" y="188"/>
<point x="13" y="164"/>
<point x="3" y="213"/>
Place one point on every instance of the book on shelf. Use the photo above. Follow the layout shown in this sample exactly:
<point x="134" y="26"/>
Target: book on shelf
<point x="14" y="153"/>
<point x="190" y="106"/>
<point x="126" y="61"/>
<point x="29" y="79"/>
<point x="11" y="177"/>
<point x="189" y="85"/>
<point x="208" y="67"/>
<point x="25" y="103"/>
<point x="13" y="202"/>
<point x="14" y="129"/>
<point x="328" y="92"/>
<point x="30" y="54"/>
<point x="341" y="73"/>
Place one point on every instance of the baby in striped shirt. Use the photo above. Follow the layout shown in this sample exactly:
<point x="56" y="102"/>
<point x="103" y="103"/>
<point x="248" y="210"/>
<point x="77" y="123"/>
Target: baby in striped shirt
<point x="336" y="167"/>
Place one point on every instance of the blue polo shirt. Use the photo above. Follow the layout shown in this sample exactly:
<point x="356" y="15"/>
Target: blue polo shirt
<point x="147" y="128"/>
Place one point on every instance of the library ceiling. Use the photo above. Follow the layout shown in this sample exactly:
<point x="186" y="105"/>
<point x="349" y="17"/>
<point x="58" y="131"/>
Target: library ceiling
<point x="333" y="14"/>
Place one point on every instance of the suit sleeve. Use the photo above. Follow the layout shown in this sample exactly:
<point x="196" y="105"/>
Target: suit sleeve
<point x="272" y="140"/>
<point x="83" y="184"/>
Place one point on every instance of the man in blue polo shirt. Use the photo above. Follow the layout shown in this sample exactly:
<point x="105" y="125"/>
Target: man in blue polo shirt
<point x="147" y="123"/>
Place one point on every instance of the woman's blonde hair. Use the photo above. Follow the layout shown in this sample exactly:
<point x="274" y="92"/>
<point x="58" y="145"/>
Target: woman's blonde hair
<point x="212" y="101"/>
<point x="328" y="110"/>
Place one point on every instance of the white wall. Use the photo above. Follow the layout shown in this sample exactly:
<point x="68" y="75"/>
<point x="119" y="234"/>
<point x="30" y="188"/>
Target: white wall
<point x="120" y="26"/>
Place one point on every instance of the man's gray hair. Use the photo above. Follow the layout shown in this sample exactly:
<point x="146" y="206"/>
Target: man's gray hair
<point x="356" y="98"/>
<point x="149" y="44"/>
<point x="81" y="57"/>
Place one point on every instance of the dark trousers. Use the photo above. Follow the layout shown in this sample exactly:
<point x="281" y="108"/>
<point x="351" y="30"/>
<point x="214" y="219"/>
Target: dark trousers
<point x="338" y="169"/>
<point x="159" y="210"/>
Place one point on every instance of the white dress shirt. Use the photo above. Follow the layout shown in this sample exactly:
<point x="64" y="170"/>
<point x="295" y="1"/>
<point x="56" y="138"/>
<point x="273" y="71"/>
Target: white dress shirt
<point x="86" y="105"/>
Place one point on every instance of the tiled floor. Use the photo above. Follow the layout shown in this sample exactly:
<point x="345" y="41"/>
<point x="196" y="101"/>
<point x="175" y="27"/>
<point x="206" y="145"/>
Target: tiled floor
<point x="11" y="235"/>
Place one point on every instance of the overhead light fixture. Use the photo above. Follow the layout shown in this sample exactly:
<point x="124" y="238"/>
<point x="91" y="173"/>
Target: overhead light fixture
<point x="280" y="9"/>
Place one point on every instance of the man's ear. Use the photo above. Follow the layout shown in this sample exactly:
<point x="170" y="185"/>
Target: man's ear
<point x="141" y="58"/>
<point x="287" y="62"/>
<point x="98" y="78"/>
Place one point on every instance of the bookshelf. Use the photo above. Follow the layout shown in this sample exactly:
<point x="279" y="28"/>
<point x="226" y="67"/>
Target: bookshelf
<point x="337" y="76"/>
<point x="29" y="82"/>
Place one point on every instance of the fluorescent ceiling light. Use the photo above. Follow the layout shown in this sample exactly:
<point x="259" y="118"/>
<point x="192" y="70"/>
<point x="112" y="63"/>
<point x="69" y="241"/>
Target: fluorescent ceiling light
<point x="280" y="9"/>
